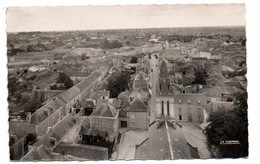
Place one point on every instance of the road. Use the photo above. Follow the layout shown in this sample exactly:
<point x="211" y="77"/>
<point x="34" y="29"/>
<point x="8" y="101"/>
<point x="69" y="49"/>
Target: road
<point x="153" y="81"/>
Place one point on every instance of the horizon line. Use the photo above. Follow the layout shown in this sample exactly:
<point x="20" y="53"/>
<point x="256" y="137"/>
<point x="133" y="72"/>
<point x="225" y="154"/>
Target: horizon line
<point x="128" y="28"/>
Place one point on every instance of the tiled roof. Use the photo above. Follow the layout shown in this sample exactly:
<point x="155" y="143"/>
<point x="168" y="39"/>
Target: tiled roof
<point x="124" y="97"/>
<point x="172" y="52"/>
<point x="190" y="99"/>
<point x="141" y="81"/>
<point x="77" y="73"/>
<point x="144" y="95"/>
<point x="42" y="113"/>
<point x="88" y="104"/>
<point x="58" y="131"/>
<point x="38" y="154"/>
<point x="99" y="94"/>
<point x="105" y="110"/>
<point x="86" y="123"/>
<point x="211" y="91"/>
<point x="87" y="81"/>
<point x="70" y="94"/>
<point x="215" y="106"/>
<point x="137" y="105"/>
<point x="116" y="102"/>
<point x="89" y="152"/>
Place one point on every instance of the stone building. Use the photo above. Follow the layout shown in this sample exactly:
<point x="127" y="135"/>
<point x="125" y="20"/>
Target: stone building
<point x="105" y="118"/>
<point x="189" y="107"/>
<point x="137" y="114"/>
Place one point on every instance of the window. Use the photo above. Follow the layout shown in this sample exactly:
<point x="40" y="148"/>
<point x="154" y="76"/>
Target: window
<point x="180" y="117"/>
<point x="162" y="108"/>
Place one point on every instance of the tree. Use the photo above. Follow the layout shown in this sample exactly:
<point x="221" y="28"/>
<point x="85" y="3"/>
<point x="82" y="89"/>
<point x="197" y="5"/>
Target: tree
<point x="68" y="83"/>
<point x="62" y="77"/>
<point x="200" y="77"/>
<point x="118" y="83"/>
<point x="231" y="125"/>
<point x="134" y="59"/>
<point x="33" y="105"/>
<point x="13" y="85"/>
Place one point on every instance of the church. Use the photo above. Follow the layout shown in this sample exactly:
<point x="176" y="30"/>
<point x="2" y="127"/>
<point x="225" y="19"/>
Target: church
<point x="172" y="104"/>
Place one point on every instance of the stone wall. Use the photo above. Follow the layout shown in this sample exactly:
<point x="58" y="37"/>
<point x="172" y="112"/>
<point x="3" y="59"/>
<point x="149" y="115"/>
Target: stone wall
<point x="105" y="124"/>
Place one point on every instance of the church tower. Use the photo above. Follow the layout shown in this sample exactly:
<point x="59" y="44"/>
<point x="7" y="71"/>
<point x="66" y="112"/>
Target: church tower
<point x="164" y="80"/>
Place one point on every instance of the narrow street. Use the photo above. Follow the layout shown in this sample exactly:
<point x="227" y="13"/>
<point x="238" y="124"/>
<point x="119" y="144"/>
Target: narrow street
<point x="153" y="81"/>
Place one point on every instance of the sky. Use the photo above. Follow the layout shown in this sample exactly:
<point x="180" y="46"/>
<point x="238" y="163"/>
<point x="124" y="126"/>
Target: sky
<point x="121" y="17"/>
